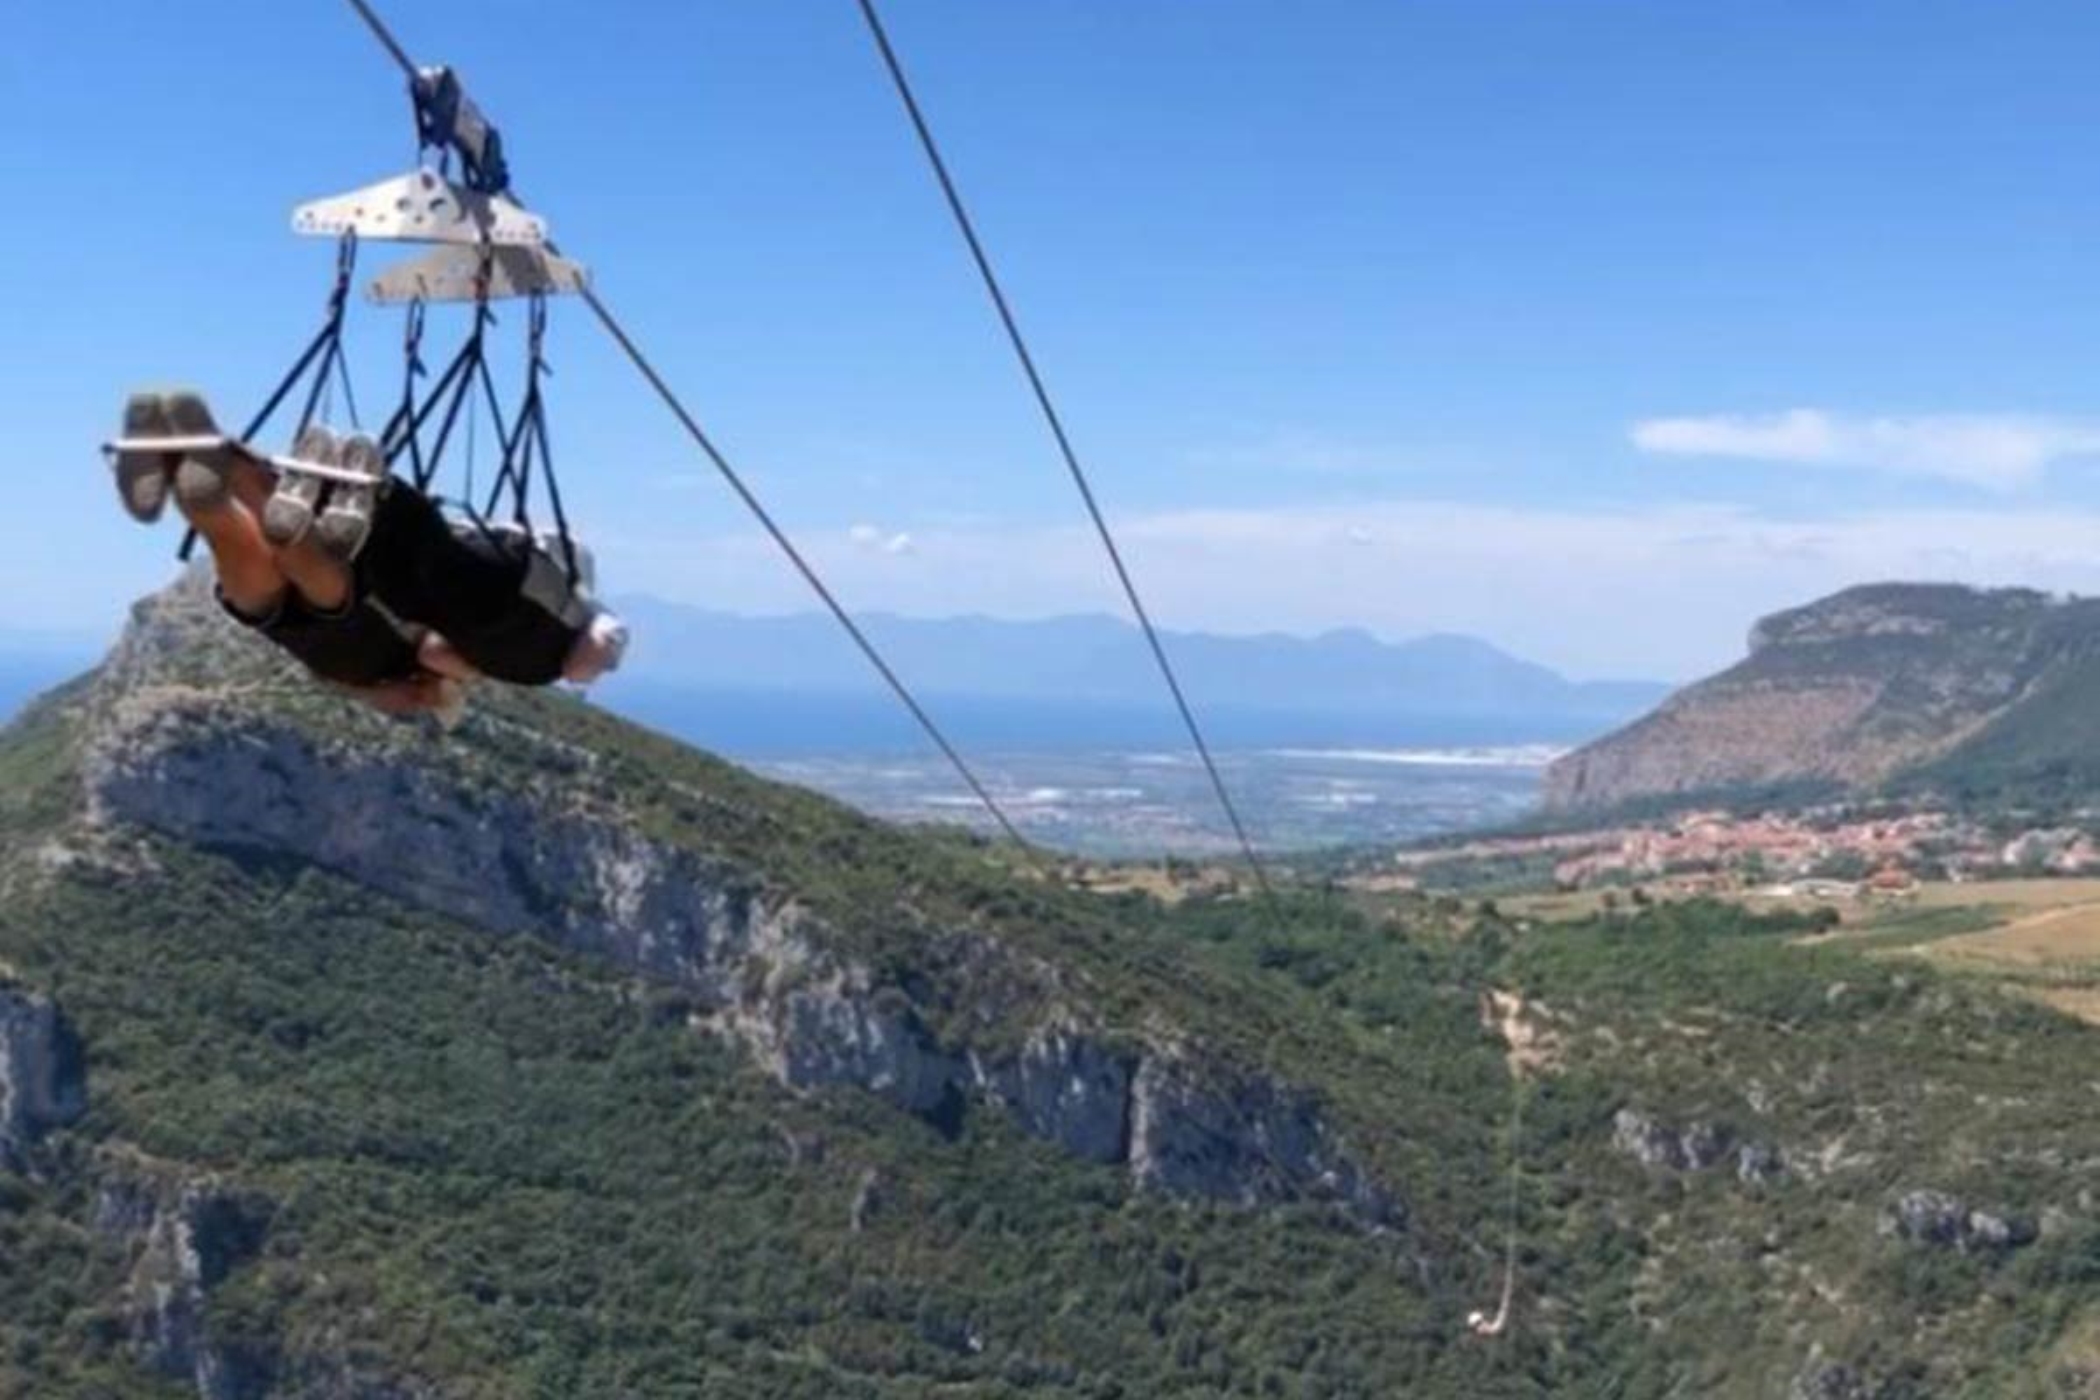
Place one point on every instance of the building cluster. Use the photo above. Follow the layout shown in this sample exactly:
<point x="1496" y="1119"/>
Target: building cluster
<point x="1827" y="853"/>
<point x="1755" y="850"/>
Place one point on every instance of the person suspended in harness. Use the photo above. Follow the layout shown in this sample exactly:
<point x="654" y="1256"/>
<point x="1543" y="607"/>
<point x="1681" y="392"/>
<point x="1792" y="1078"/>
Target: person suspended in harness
<point x="359" y="575"/>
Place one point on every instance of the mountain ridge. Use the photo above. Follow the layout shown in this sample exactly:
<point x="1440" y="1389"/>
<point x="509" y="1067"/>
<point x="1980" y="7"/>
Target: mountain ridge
<point x="1881" y="687"/>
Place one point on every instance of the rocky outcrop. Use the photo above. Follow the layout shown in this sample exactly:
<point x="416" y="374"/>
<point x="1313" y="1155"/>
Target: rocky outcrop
<point x="1193" y="1133"/>
<point x="185" y="1237"/>
<point x="1699" y="1147"/>
<point x="1829" y="1380"/>
<point x="1756" y="1164"/>
<point x="1941" y="1220"/>
<point x="1660" y="1147"/>
<point x="507" y="829"/>
<point x="1068" y="1088"/>
<point x="1845" y="692"/>
<point x="43" y="1075"/>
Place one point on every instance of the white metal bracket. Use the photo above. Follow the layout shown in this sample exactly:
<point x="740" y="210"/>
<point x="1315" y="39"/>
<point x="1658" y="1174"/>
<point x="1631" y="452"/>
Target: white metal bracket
<point x="455" y="274"/>
<point x="421" y="207"/>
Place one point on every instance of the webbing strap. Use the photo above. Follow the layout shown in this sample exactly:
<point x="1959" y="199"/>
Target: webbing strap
<point x="400" y="431"/>
<point x="528" y="449"/>
<point x="324" y="350"/>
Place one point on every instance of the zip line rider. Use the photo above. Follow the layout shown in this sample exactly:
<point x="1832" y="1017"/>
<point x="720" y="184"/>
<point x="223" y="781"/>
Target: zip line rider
<point x="359" y="573"/>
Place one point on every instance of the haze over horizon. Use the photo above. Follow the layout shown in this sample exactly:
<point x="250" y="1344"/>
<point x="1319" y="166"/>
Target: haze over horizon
<point x="1762" y="304"/>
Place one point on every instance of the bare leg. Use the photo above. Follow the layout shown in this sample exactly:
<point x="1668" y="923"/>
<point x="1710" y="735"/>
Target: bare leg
<point x="322" y="581"/>
<point x="418" y="694"/>
<point x="437" y="656"/>
<point x="249" y="577"/>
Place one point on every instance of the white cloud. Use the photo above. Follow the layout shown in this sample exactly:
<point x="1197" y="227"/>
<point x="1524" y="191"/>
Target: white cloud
<point x="878" y="540"/>
<point x="1997" y="451"/>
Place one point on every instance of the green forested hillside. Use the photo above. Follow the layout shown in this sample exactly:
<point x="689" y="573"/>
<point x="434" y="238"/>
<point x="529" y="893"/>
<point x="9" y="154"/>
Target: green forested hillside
<point x="343" y="1141"/>
<point x="500" y="1170"/>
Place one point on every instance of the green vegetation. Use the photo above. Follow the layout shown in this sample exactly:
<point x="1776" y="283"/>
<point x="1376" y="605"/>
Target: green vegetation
<point x="504" y="1168"/>
<point x="511" y="1171"/>
<point x="2041" y="756"/>
<point x="1916" y="927"/>
<point x="1870" y="1079"/>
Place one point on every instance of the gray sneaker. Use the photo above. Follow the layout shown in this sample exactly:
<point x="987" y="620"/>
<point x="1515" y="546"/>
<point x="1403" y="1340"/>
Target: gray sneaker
<point x="289" y="513"/>
<point x="343" y="527"/>
<point x="142" y="475"/>
<point x="201" y="481"/>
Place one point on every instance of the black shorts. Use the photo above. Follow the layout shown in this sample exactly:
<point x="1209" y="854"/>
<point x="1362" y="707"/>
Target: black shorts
<point x="357" y="645"/>
<point x="467" y="585"/>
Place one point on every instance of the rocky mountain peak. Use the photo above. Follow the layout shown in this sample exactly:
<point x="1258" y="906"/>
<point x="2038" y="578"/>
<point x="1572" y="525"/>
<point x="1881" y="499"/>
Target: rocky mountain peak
<point x="542" y="818"/>
<point x="1852" y="692"/>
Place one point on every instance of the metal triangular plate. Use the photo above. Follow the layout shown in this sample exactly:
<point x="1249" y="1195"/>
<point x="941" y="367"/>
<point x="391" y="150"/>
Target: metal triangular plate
<point x="421" y="207"/>
<point x="450" y="274"/>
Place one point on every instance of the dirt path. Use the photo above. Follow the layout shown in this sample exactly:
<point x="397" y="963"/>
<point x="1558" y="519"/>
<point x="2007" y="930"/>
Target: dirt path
<point x="1533" y="1047"/>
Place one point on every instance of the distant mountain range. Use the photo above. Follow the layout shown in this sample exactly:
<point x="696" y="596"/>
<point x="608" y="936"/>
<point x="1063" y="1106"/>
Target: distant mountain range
<point x="1967" y="694"/>
<point x="759" y="685"/>
<point x="753" y="684"/>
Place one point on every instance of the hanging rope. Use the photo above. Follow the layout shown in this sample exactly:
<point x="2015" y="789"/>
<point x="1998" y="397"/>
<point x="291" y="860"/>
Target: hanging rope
<point x="1482" y="1323"/>
<point x="342" y="377"/>
<point x="751" y="503"/>
<point x="399" y="433"/>
<point x="968" y="228"/>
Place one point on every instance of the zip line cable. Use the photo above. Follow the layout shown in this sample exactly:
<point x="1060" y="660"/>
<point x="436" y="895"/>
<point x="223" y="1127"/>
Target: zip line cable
<point x="968" y="229"/>
<point x="672" y="401"/>
<point x="802" y="566"/>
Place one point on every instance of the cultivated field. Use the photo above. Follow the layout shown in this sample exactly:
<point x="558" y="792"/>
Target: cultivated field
<point x="2040" y="936"/>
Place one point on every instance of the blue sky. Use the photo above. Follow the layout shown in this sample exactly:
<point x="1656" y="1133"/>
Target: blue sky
<point x="1593" y="328"/>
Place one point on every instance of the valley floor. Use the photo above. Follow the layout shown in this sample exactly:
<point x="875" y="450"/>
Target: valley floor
<point x="1133" y="804"/>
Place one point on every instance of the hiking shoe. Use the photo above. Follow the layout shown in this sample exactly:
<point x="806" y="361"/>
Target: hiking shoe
<point x="202" y="480"/>
<point x="343" y="527"/>
<point x="142" y="474"/>
<point x="289" y="513"/>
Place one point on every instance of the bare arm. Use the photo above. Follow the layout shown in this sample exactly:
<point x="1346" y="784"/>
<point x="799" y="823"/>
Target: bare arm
<point x="598" y="650"/>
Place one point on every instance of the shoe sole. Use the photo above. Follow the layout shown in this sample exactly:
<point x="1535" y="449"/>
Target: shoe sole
<point x="142" y="477"/>
<point x="344" y="526"/>
<point x="201" y="479"/>
<point x="289" y="513"/>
